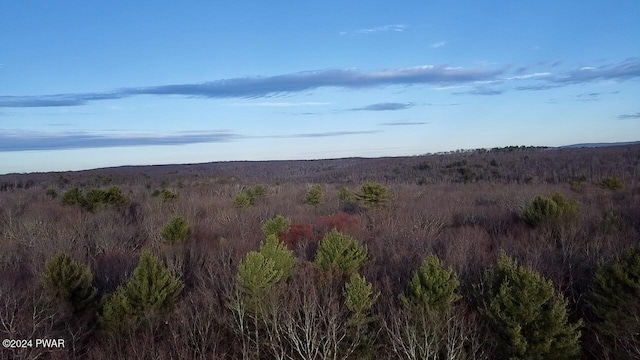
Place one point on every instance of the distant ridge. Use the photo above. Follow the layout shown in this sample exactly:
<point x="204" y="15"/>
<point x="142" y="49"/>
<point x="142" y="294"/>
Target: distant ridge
<point x="597" y="145"/>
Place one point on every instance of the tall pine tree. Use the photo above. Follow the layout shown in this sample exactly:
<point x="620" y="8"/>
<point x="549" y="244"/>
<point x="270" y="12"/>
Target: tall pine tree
<point x="614" y="303"/>
<point x="151" y="293"/>
<point x="528" y="315"/>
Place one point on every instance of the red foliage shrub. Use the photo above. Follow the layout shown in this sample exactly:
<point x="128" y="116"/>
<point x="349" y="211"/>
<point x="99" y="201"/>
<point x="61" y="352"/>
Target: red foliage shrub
<point x="343" y="222"/>
<point x="296" y="233"/>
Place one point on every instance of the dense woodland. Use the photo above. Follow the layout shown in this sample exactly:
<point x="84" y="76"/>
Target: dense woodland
<point x="510" y="253"/>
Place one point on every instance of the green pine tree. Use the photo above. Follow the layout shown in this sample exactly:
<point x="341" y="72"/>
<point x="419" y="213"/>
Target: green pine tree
<point x="314" y="196"/>
<point x="242" y="200"/>
<point x="544" y="210"/>
<point x="360" y="298"/>
<point x="257" y="192"/>
<point x="341" y="253"/>
<point x="69" y="282"/>
<point x="276" y="226"/>
<point x="614" y="302"/>
<point x="345" y="196"/>
<point x="282" y="257"/>
<point x="432" y="290"/>
<point x="176" y="230"/>
<point x="150" y="294"/>
<point x="73" y="197"/>
<point x="257" y="274"/>
<point x="528" y="315"/>
<point x="373" y="195"/>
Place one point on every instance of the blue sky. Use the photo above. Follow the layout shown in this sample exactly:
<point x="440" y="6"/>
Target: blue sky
<point x="87" y="84"/>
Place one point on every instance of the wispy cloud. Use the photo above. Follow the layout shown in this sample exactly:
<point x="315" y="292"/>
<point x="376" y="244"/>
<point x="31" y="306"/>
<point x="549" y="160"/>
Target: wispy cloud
<point x="480" y="91"/>
<point x="626" y="70"/>
<point x="24" y="140"/>
<point x="447" y="104"/>
<point x="593" y="96"/>
<point x="262" y="87"/>
<point x="58" y="99"/>
<point x="377" y="29"/>
<point x="49" y="114"/>
<point x="405" y="123"/>
<point x="321" y="134"/>
<point x="37" y="140"/>
<point x="537" y="87"/>
<point x="282" y="104"/>
<point x="257" y="87"/>
<point x="306" y="113"/>
<point x="529" y="76"/>
<point x="629" y="116"/>
<point x="438" y="44"/>
<point x="385" y="107"/>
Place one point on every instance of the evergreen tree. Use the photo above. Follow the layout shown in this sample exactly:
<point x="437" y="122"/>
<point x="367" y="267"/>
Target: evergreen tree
<point x="282" y="257"/>
<point x="432" y="289"/>
<point x="614" y="302"/>
<point x="256" y="192"/>
<point x="276" y="226"/>
<point x="345" y="196"/>
<point x="73" y="197"/>
<point x="340" y="252"/>
<point x="165" y="195"/>
<point x="176" y="230"/>
<point x="314" y="196"/>
<point x="69" y="282"/>
<point x="529" y="317"/>
<point x="360" y="299"/>
<point x="543" y="210"/>
<point x="257" y="275"/>
<point x="151" y="293"/>
<point x="373" y="195"/>
<point x="242" y="200"/>
<point x="612" y="183"/>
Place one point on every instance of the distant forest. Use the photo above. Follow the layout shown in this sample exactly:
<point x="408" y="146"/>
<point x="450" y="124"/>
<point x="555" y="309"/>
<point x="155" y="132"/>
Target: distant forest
<point x="508" y="253"/>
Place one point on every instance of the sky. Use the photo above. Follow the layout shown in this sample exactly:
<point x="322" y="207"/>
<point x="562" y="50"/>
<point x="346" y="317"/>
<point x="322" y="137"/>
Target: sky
<point x="89" y="84"/>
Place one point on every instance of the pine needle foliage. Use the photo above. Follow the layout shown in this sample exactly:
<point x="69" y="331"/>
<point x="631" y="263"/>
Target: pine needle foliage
<point x="283" y="259"/>
<point x="256" y="192"/>
<point x="361" y="332"/>
<point x="314" y="196"/>
<point x="257" y="275"/>
<point x="528" y="315"/>
<point x="176" y="230"/>
<point x="249" y="196"/>
<point x="432" y="290"/>
<point x="95" y="199"/>
<point x="345" y="196"/>
<point x="276" y="226"/>
<point x="151" y="293"/>
<point x="165" y="195"/>
<point x="612" y="183"/>
<point x="262" y="270"/>
<point x="614" y="301"/>
<point x="73" y="197"/>
<point x="360" y="299"/>
<point x="341" y="253"/>
<point x="242" y="200"/>
<point x="544" y="210"/>
<point x="373" y="195"/>
<point x="69" y="282"/>
<point x="98" y="198"/>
